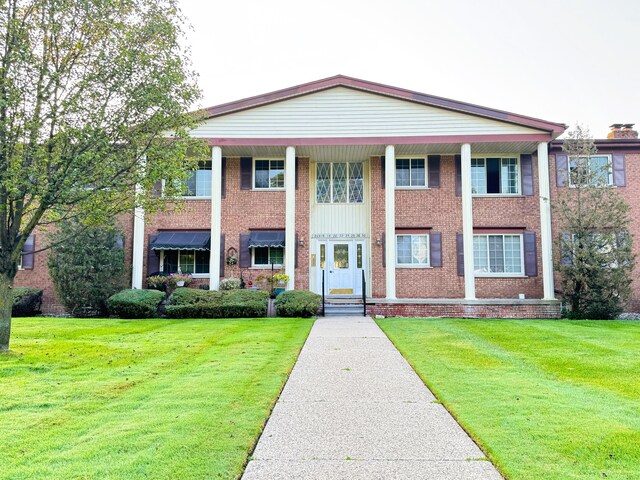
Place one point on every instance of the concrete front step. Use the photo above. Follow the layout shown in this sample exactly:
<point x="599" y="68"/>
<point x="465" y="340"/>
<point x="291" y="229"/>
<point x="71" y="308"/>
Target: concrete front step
<point x="342" y="309"/>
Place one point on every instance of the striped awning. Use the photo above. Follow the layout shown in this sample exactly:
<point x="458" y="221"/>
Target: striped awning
<point x="182" y="241"/>
<point x="266" y="239"/>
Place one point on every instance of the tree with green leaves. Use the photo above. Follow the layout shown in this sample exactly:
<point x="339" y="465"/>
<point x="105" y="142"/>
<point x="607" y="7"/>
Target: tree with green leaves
<point x="594" y="249"/>
<point x="94" y="102"/>
<point x="89" y="269"/>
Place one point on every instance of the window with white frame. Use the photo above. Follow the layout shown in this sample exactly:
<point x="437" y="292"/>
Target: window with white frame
<point x="339" y="182"/>
<point x="498" y="254"/>
<point x="604" y="245"/>
<point x="266" y="256"/>
<point x="495" y="175"/>
<point x="268" y="174"/>
<point x="412" y="250"/>
<point x="595" y="170"/>
<point x="198" y="182"/>
<point x="185" y="261"/>
<point x="411" y="172"/>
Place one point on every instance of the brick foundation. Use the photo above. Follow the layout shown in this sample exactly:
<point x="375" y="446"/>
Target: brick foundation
<point x="487" y="309"/>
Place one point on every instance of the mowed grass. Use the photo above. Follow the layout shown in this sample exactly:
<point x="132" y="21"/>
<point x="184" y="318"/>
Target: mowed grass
<point x="117" y="399"/>
<point x="544" y="399"/>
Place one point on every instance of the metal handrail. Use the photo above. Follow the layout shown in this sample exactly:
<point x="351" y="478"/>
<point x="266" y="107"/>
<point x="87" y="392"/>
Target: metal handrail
<point x="364" y="293"/>
<point x="323" y="293"/>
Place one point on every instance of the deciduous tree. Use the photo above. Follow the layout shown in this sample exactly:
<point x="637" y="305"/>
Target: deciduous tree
<point x="89" y="89"/>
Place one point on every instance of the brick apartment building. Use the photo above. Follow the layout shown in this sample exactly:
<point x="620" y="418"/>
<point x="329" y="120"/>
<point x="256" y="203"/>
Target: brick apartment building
<point x="442" y="207"/>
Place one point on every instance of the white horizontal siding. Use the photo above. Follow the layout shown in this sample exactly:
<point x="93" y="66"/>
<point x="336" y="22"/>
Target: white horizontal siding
<point x="343" y="112"/>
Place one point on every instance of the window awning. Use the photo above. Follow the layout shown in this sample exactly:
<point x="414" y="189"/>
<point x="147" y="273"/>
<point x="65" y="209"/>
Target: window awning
<point x="182" y="241"/>
<point x="266" y="239"/>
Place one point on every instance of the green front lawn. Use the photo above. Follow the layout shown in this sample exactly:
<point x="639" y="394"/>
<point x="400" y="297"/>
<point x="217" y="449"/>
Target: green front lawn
<point x="115" y="399"/>
<point x="544" y="399"/>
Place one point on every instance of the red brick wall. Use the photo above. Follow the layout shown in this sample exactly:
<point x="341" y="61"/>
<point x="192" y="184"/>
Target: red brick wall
<point x="441" y="209"/>
<point x="631" y="194"/>
<point x="243" y="210"/>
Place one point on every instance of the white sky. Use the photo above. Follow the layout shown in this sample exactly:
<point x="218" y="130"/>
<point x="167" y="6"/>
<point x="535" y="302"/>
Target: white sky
<point x="560" y="60"/>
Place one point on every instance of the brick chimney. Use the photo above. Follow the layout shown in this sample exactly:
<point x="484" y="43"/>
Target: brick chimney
<point x="622" y="130"/>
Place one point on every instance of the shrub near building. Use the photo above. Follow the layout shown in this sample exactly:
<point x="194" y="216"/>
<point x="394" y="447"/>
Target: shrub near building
<point x="192" y="303"/>
<point x="297" y="303"/>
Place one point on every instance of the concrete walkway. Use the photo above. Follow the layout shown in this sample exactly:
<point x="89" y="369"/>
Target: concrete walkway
<point x="353" y="408"/>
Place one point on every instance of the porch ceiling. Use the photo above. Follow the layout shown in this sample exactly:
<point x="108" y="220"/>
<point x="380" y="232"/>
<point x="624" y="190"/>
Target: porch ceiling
<point x="347" y="153"/>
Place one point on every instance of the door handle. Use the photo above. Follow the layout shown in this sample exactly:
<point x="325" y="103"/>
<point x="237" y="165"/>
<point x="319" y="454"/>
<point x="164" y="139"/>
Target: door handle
<point x="330" y="271"/>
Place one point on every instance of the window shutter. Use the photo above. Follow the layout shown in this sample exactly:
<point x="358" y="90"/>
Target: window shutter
<point x="562" y="170"/>
<point x="153" y="261"/>
<point x="246" y="174"/>
<point x="530" y="254"/>
<point x="223" y="259"/>
<point x="223" y="177"/>
<point x="296" y="164"/>
<point x="458" y="175"/>
<point x="435" y="249"/>
<point x="156" y="190"/>
<point x="245" y="251"/>
<point x="119" y="241"/>
<point x="295" y="265"/>
<point x="619" y="177"/>
<point x="382" y="171"/>
<point x="384" y="251"/>
<point x="460" y="253"/>
<point x="526" y="167"/>
<point x="565" y="252"/>
<point x="434" y="171"/>
<point x="27" y="252"/>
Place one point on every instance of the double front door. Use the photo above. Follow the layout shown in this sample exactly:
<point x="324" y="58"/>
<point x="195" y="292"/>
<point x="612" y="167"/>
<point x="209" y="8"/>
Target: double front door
<point x="343" y="262"/>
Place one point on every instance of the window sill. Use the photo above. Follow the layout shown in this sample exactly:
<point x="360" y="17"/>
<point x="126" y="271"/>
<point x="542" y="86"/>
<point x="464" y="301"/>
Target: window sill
<point x="413" y="266"/>
<point x="424" y="187"/>
<point x="268" y="189"/>
<point x="496" y="195"/>
<point x="500" y="275"/>
<point x="265" y="267"/>
<point x="194" y="198"/>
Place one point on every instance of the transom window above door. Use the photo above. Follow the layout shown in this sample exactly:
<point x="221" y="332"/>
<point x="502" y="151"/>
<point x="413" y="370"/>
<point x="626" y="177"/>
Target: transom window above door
<point x="339" y="182"/>
<point x="411" y="172"/>
<point x="268" y="174"/>
<point x="495" y="176"/>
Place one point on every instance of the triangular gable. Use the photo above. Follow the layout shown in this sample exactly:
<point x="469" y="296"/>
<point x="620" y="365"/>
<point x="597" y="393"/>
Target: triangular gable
<point x="345" y="112"/>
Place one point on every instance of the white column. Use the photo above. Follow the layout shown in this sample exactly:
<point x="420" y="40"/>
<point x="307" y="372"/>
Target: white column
<point x="137" y="258"/>
<point x="290" y="216"/>
<point x="216" y="217"/>
<point x="467" y="224"/>
<point x="390" y="220"/>
<point x="545" y="222"/>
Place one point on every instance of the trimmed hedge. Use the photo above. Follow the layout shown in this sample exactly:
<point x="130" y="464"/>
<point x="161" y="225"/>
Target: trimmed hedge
<point x="26" y="301"/>
<point x="298" y="303"/>
<point x="191" y="296"/>
<point x="226" y="304"/>
<point x="135" y="303"/>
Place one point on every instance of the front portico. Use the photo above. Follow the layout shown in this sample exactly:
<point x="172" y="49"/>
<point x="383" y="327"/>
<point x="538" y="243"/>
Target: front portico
<point x="403" y="187"/>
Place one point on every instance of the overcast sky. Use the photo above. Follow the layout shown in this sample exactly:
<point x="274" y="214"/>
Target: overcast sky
<point x="560" y="60"/>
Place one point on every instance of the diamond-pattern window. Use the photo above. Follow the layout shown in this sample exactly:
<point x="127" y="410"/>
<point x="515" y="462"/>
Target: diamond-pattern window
<point x="323" y="182"/>
<point x="356" y="183"/>
<point x="339" y="182"/>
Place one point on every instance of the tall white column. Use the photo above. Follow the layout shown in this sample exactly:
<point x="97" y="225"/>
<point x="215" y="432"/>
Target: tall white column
<point x="467" y="224"/>
<point x="290" y="216"/>
<point x="545" y="222"/>
<point x="216" y="217"/>
<point x="137" y="258"/>
<point x="390" y="219"/>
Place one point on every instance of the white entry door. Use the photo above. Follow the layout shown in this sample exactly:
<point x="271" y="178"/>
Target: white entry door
<point x="343" y="263"/>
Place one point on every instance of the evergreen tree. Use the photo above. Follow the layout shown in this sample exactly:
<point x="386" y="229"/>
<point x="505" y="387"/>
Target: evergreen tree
<point x="594" y="250"/>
